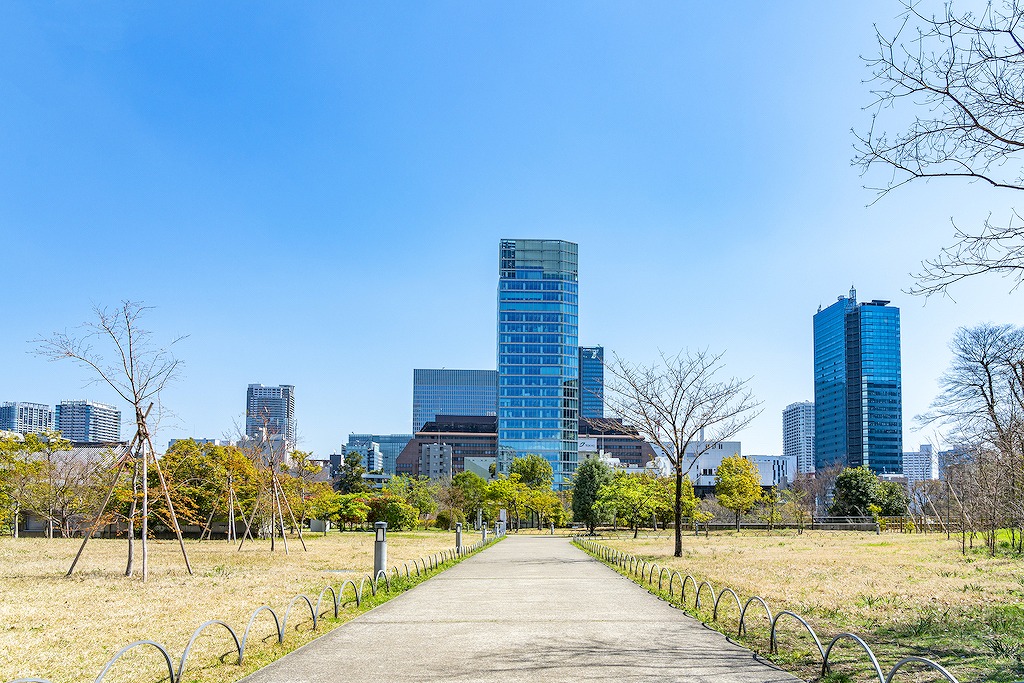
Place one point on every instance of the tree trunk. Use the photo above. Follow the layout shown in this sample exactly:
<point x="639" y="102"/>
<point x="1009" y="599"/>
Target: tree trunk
<point x="737" y="521"/>
<point x="678" y="512"/>
<point x="131" y="521"/>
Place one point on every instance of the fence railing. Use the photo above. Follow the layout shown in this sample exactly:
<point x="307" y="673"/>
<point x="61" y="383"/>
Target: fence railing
<point x="643" y="571"/>
<point x="382" y="581"/>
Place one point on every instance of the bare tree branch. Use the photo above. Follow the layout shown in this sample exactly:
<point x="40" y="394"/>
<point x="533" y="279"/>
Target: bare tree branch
<point x="674" y="402"/>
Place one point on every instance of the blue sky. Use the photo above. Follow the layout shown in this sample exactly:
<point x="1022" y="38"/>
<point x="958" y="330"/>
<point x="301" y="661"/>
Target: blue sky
<point x="314" y="193"/>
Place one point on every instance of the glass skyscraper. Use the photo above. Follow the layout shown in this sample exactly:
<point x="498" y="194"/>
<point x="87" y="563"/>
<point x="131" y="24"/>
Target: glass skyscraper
<point x="592" y="381"/>
<point x="272" y="406"/>
<point x="452" y="392"/>
<point x="858" y="388"/>
<point x="538" y="347"/>
<point x="391" y="446"/>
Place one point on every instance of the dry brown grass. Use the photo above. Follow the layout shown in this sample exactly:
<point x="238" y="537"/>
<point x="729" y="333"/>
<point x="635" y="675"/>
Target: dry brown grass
<point x="66" y="629"/>
<point x="906" y="594"/>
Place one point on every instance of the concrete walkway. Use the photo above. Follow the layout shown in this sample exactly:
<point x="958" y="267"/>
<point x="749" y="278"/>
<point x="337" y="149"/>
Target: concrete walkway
<point x="527" y="609"/>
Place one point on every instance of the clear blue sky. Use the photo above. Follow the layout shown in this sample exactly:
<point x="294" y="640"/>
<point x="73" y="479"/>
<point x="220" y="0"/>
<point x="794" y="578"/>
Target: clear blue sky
<point x="314" y="192"/>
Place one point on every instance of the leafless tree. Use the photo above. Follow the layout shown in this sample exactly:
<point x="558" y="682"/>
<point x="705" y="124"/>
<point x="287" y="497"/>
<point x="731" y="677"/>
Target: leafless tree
<point x="961" y="76"/>
<point x="679" y="402"/>
<point x="982" y="407"/>
<point x="138" y="371"/>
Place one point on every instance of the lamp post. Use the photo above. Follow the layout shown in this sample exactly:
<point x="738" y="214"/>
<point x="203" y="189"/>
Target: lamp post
<point x="458" y="536"/>
<point x="380" y="548"/>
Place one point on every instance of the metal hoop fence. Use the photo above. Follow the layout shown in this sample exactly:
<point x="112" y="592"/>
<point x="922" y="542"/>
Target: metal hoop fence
<point x="379" y="583"/>
<point x="636" y="568"/>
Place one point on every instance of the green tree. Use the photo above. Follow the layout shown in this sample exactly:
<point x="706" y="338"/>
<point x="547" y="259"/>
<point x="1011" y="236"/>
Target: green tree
<point x="856" y="488"/>
<point x="511" y="494"/>
<point x="797" y="505"/>
<point x="474" y="492"/>
<point x="591" y="475"/>
<point x="635" y="498"/>
<point x="387" y="507"/>
<point x="419" y="492"/>
<point x="350" y="474"/>
<point x="533" y="470"/>
<point x="324" y="504"/>
<point x="353" y="509"/>
<point x="892" y="499"/>
<point x="737" y="486"/>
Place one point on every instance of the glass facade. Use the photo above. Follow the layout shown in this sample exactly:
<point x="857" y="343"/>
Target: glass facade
<point x="592" y="381"/>
<point x="858" y="403"/>
<point x="452" y="392"/>
<point x="273" y="407"/>
<point x="391" y="446"/>
<point x="538" y="352"/>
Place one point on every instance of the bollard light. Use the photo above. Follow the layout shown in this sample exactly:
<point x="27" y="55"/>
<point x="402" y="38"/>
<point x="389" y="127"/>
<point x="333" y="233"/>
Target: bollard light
<point x="380" y="548"/>
<point x="458" y="535"/>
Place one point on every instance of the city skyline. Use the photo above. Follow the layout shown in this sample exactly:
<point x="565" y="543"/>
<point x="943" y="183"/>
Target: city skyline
<point x="710" y="193"/>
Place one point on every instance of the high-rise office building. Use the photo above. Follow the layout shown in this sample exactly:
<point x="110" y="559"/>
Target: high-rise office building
<point x="798" y="435"/>
<point x="858" y="396"/>
<point x="921" y="465"/>
<point x="88" y="422"/>
<point x="273" y="407"/>
<point x="592" y="381"/>
<point x="26" y="418"/>
<point x="390" y="445"/>
<point x="452" y="392"/>
<point x="538" y="351"/>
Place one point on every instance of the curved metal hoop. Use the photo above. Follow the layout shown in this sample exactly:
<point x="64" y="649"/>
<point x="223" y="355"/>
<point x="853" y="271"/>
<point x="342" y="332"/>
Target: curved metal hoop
<point x="863" y="645"/>
<point x="355" y="592"/>
<point x="671" y="580"/>
<point x="650" y="575"/>
<point x="661" y="576"/>
<point x="137" y="643"/>
<point x="288" y="610"/>
<point x="362" y="583"/>
<point x="277" y="625"/>
<point x="743" y="614"/>
<point x="387" y="581"/>
<point x="773" y="645"/>
<point x="739" y="608"/>
<point x="711" y="588"/>
<point x="920" y="660"/>
<point x="195" y="634"/>
<point x="683" y="594"/>
<point x="334" y="597"/>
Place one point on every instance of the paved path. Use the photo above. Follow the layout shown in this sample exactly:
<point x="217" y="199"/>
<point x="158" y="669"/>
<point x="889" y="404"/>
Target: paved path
<point x="527" y="609"/>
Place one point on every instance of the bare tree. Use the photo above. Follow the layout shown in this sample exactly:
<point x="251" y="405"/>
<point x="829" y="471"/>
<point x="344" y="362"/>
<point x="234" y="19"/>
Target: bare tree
<point x="982" y="407"/>
<point x="138" y="371"/>
<point x="962" y="75"/>
<point x="677" y="403"/>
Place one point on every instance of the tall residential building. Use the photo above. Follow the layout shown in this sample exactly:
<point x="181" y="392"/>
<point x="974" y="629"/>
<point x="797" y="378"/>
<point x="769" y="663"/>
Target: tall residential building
<point x="273" y="406"/>
<point x="391" y="446"/>
<point x="538" y="351"/>
<point x="88" y="422"/>
<point x="26" y="418"/>
<point x="922" y="465"/>
<point x="858" y="395"/>
<point x="592" y="381"/>
<point x="798" y="435"/>
<point x="452" y="392"/>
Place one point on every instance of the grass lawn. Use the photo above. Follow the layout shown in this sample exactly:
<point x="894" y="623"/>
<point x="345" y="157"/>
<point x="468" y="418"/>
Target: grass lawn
<point x="65" y="629"/>
<point x="904" y="594"/>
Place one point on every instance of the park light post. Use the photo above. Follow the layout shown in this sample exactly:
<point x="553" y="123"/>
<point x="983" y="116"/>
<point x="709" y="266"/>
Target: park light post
<point x="458" y="536"/>
<point x="380" y="548"/>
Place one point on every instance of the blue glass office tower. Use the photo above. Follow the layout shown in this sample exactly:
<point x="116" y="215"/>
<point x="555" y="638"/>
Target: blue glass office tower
<point x="592" y="381"/>
<point x="858" y="387"/>
<point x="538" y="346"/>
<point x="452" y="392"/>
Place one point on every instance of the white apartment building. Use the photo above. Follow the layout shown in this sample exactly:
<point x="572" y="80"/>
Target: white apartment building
<point x="88" y="422"/>
<point x="922" y="465"/>
<point x="798" y="435"/>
